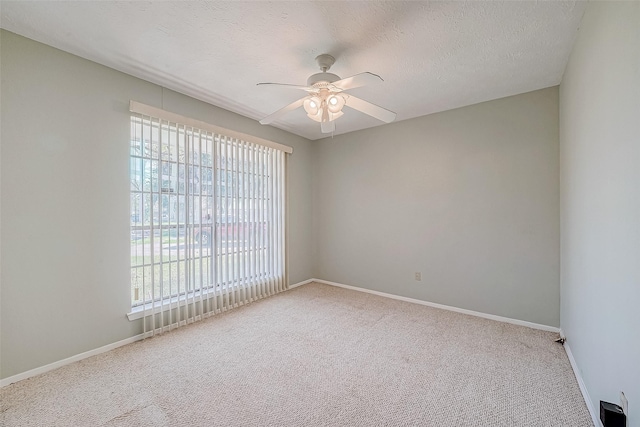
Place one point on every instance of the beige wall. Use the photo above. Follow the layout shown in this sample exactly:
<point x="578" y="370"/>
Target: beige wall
<point x="600" y="203"/>
<point x="467" y="197"/>
<point x="65" y="200"/>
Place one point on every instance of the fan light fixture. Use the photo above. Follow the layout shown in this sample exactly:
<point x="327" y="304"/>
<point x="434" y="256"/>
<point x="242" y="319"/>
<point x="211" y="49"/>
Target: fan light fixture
<point x="326" y="97"/>
<point x="325" y="106"/>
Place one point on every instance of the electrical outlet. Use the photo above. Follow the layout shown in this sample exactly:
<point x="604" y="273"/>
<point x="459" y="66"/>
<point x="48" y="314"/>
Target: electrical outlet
<point x="624" y="403"/>
<point x="418" y="276"/>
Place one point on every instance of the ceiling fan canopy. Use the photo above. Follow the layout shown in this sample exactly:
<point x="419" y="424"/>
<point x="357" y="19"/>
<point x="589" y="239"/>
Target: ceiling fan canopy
<point x="326" y="97"/>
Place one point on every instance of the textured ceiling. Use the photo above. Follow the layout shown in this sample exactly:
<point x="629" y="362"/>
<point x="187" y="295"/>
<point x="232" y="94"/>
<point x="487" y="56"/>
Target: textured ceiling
<point x="433" y="56"/>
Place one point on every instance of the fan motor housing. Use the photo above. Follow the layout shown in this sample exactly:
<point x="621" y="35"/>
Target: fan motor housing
<point x="322" y="77"/>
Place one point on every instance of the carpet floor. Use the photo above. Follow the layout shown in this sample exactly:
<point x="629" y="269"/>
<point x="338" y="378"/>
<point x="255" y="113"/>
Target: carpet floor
<point x="316" y="355"/>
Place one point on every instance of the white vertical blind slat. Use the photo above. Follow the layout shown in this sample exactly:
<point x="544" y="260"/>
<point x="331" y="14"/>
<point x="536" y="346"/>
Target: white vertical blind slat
<point x="278" y="221"/>
<point x="180" y="214"/>
<point x="261" y="264"/>
<point x="152" y="239"/>
<point x="240" y="221"/>
<point x="160" y="223"/>
<point x="171" y="136"/>
<point x="227" y="270"/>
<point x="271" y="206"/>
<point x="203" y="257"/>
<point x="234" y="224"/>
<point x="144" y="282"/>
<point x="189" y="221"/>
<point x="215" y="229"/>
<point x="252" y="215"/>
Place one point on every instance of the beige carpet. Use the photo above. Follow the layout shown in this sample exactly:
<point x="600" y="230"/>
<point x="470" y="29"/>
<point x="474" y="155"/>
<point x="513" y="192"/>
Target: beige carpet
<point x="315" y="356"/>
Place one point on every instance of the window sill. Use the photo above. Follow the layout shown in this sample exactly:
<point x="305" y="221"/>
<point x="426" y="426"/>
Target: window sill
<point x="149" y="309"/>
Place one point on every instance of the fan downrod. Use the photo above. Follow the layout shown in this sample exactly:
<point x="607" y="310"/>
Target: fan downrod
<point x="322" y="79"/>
<point x="325" y="61"/>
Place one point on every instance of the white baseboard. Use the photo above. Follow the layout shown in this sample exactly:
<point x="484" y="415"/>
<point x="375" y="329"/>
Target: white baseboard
<point x="444" y="307"/>
<point x="55" y="365"/>
<point x="583" y="388"/>
<point x="295" y="285"/>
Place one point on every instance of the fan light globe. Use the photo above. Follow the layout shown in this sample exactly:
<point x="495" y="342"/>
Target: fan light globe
<point x="312" y="105"/>
<point x="335" y="103"/>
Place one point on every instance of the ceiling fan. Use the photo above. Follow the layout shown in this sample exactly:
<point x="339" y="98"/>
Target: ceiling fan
<point x="326" y="97"/>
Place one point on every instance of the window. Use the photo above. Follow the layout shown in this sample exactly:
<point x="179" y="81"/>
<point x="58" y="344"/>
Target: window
<point x="207" y="217"/>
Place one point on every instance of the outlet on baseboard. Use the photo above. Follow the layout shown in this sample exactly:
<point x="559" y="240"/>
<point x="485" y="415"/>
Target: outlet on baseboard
<point x="418" y="276"/>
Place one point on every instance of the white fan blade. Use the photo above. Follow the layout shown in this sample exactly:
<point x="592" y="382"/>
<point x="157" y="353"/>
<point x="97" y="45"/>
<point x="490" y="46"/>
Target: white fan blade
<point x="357" y="81"/>
<point x="328" y="127"/>
<point x="370" y="109"/>
<point x="307" y="88"/>
<point x="270" y="118"/>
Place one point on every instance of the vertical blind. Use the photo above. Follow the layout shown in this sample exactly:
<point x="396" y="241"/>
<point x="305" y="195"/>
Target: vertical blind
<point x="207" y="221"/>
